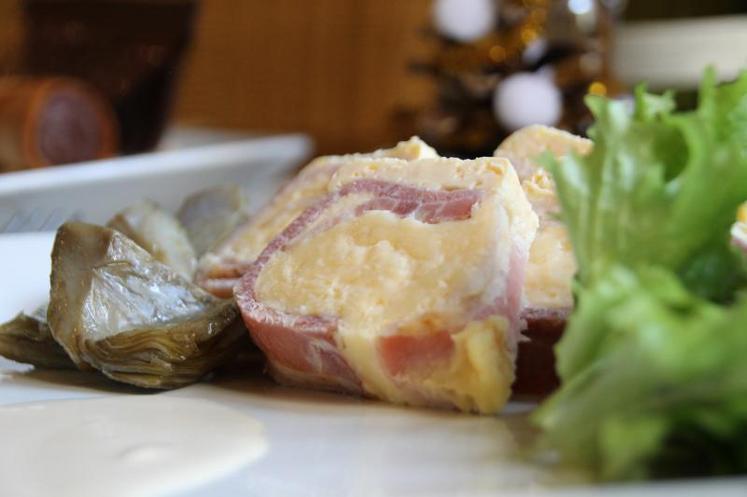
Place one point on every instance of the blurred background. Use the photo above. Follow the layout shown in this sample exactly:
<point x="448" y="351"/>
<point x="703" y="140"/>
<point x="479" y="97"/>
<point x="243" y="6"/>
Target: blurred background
<point x="111" y="75"/>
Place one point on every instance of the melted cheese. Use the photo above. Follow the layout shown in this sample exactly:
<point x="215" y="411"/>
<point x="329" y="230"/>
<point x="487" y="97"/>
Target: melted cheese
<point x="309" y="186"/>
<point x="526" y="145"/>
<point x="551" y="260"/>
<point x="378" y="268"/>
<point x="549" y="275"/>
<point x="380" y="274"/>
<point x="471" y="382"/>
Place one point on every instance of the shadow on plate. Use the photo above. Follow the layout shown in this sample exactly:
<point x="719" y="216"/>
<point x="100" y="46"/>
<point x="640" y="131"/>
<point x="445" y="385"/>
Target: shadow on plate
<point x="69" y="378"/>
<point x="246" y="377"/>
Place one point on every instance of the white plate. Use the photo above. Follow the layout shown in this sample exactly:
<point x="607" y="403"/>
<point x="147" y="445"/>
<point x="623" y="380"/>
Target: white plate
<point x="94" y="191"/>
<point x="324" y="445"/>
<point x="673" y="52"/>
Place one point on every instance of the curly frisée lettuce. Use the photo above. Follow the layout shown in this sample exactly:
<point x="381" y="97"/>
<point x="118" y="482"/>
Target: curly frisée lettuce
<point x="654" y="380"/>
<point x="660" y="187"/>
<point x="653" y="362"/>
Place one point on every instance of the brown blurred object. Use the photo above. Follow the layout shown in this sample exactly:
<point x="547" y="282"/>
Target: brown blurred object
<point x="130" y="50"/>
<point x="10" y="35"/>
<point x="49" y="121"/>
<point x="535" y="362"/>
<point x="337" y="69"/>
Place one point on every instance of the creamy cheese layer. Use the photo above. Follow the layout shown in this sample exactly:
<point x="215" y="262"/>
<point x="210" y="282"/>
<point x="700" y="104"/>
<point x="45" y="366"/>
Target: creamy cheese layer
<point x="310" y="184"/>
<point x="547" y="284"/>
<point x="377" y="270"/>
<point x="382" y="274"/>
<point x="551" y="260"/>
<point x="526" y="145"/>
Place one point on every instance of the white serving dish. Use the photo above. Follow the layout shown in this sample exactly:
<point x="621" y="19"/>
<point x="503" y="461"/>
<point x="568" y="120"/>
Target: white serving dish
<point x="673" y="52"/>
<point x="323" y="445"/>
<point x="94" y="191"/>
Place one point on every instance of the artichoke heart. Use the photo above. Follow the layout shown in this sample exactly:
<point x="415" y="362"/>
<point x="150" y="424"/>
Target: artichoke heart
<point x="210" y="215"/>
<point x="27" y="339"/>
<point x="115" y="308"/>
<point x="160" y="233"/>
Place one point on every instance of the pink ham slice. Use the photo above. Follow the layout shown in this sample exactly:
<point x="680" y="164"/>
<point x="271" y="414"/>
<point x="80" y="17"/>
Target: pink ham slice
<point x="220" y="270"/>
<point x="302" y="349"/>
<point x="220" y="276"/>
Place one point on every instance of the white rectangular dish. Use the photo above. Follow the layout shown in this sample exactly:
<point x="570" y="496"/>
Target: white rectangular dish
<point x="94" y="191"/>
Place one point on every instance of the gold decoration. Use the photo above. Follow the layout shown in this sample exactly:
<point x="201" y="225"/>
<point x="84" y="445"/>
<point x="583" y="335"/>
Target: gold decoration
<point x="530" y="36"/>
<point x="498" y="47"/>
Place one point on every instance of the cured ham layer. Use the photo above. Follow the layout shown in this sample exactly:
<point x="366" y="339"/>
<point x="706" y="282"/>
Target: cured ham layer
<point x="399" y="280"/>
<point x="548" y="297"/>
<point x="551" y="261"/>
<point x="219" y="271"/>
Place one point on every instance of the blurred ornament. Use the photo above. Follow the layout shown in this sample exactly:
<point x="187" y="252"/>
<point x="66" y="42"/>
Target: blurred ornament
<point x="534" y="51"/>
<point x="527" y="98"/>
<point x="464" y="20"/>
<point x="581" y="7"/>
<point x="503" y="65"/>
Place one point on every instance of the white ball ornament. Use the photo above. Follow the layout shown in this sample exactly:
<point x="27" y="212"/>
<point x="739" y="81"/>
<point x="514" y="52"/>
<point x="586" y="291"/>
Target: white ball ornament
<point x="526" y="98"/>
<point x="465" y="20"/>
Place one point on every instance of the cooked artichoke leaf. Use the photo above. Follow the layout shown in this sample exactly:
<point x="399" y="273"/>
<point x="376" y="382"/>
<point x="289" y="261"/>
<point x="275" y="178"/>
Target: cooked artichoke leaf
<point x="27" y="339"/>
<point x="160" y="233"/>
<point x="117" y="309"/>
<point x="172" y="355"/>
<point x="212" y="214"/>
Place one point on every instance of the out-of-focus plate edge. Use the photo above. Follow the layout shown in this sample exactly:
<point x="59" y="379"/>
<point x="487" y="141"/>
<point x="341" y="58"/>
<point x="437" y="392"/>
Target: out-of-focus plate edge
<point x="95" y="190"/>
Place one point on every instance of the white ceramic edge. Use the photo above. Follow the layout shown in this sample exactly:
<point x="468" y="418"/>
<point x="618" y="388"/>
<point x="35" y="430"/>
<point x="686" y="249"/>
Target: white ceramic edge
<point x="675" y="52"/>
<point x="143" y="164"/>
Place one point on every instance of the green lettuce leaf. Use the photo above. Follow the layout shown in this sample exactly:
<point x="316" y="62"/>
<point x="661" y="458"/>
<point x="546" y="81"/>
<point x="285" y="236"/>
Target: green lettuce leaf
<point x="660" y="187"/>
<point x="654" y="380"/>
<point x="653" y="362"/>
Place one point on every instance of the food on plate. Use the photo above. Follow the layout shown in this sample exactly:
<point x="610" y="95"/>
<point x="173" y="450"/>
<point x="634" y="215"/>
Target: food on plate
<point x="157" y="230"/>
<point x="525" y="148"/>
<point x="115" y="308"/>
<point x="654" y="380"/>
<point x="221" y="269"/>
<point x="551" y="267"/>
<point x="210" y="215"/>
<point x="408" y="277"/>
<point x="653" y="369"/>
<point x="402" y="281"/>
<point x="27" y="339"/>
<point x="547" y="286"/>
